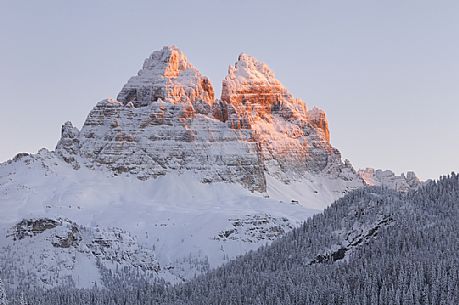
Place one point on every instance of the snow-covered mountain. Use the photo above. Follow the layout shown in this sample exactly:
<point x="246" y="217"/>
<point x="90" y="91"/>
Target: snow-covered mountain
<point x="166" y="119"/>
<point x="166" y="181"/>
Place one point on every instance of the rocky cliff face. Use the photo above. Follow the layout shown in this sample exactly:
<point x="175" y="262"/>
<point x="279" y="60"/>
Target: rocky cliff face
<point x="293" y="139"/>
<point x="387" y="178"/>
<point x="161" y="137"/>
<point x="167" y="75"/>
<point x="78" y="249"/>
<point x="167" y="119"/>
<point x="162" y="122"/>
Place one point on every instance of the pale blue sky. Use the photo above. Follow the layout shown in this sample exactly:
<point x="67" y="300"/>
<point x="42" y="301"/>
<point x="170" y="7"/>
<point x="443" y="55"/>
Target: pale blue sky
<point x="386" y="72"/>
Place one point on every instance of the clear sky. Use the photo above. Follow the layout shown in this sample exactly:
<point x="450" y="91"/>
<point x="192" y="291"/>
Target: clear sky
<point x="386" y="72"/>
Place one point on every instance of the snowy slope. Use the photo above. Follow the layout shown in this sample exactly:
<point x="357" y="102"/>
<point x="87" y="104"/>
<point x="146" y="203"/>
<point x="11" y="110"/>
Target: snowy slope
<point x="181" y="221"/>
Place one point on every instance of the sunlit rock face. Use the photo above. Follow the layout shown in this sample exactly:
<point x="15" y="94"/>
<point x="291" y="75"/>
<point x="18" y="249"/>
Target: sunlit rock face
<point x="166" y="119"/>
<point x="293" y="139"/>
<point x="162" y="122"/>
<point x="167" y="75"/>
<point x="252" y="86"/>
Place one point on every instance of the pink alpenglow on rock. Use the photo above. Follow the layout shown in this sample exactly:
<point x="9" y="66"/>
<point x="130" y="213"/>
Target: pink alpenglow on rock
<point x="166" y="119"/>
<point x="168" y="75"/>
<point x="292" y="139"/>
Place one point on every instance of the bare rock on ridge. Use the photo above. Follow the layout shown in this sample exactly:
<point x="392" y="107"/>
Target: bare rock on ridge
<point x="293" y="139"/>
<point x="168" y="75"/>
<point x="166" y="119"/>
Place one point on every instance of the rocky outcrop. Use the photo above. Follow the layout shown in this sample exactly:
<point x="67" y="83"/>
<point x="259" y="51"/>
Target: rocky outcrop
<point x="66" y="233"/>
<point x="68" y="146"/>
<point x="354" y="240"/>
<point x="254" y="228"/>
<point x="36" y="244"/>
<point x="387" y="178"/>
<point x="31" y="227"/>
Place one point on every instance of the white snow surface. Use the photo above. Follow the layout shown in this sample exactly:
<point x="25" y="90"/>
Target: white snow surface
<point x="191" y="226"/>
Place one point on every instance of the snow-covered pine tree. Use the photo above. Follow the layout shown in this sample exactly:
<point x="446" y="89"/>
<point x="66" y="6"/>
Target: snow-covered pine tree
<point x="22" y="300"/>
<point x="3" y="299"/>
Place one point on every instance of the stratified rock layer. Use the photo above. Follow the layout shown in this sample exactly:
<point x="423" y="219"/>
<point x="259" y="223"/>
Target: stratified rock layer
<point x="153" y="140"/>
<point x="293" y="140"/>
<point x="167" y="75"/>
<point x="166" y="119"/>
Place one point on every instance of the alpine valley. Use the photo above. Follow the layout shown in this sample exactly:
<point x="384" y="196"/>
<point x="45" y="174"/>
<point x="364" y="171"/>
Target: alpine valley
<point x="167" y="182"/>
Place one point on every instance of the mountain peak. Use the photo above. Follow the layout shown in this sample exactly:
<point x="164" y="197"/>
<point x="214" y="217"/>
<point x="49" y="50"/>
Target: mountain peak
<point x="167" y="75"/>
<point x="250" y="80"/>
<point x="294" y="139"/>
<point x="249" y="68"/>
<point x="167" y="120"/>
<point x="170" y="61"/>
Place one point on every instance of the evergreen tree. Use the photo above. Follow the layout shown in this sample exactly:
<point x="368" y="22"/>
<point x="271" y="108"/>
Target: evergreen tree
<point x="3" y="299"/>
